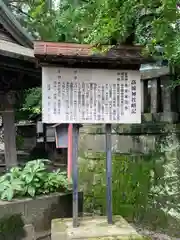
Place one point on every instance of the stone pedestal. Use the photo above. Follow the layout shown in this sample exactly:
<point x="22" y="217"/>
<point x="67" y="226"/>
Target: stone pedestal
<point x="30" y="219"/>
<point x="155" y="95"/>
<point x="93" y="228"/>
<point x="144" y="96"/>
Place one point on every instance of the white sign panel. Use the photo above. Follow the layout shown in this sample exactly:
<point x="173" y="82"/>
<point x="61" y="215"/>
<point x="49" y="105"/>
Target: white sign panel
<point x="90" y="96"/>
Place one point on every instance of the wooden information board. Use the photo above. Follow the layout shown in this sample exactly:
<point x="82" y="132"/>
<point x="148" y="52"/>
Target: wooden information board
<point x="90" y="96"/>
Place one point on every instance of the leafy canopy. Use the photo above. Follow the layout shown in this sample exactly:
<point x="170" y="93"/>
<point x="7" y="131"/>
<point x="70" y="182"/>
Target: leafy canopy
<point x="149" y="22"/>
<point x="152" y="23"/>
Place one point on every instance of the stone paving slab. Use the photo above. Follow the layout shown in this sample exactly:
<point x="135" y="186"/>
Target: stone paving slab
<point x="93" y="228"/>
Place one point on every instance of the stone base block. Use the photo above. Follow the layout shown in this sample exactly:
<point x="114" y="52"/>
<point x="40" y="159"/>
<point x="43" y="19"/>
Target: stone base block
<point x="93" y="228"/>
<point x="147" y="117"/>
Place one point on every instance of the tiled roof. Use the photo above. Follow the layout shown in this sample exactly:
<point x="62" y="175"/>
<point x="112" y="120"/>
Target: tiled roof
<point x="66" y="49"/>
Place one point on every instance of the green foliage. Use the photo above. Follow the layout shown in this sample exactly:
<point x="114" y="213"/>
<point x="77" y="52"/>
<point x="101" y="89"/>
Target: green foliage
<point x="36" y="16"/>
<point x="30" y="106"/>
<point x="131" y="184"/>
<point x="32" y="102"/>
<point x="32" y="180"/>
<point x="154" y="22"/>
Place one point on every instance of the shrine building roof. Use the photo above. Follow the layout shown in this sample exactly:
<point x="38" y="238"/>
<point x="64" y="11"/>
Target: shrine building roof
<point x="18" y="66"/>
<point x="15" y="42"/>
<point x="82" y="55"/>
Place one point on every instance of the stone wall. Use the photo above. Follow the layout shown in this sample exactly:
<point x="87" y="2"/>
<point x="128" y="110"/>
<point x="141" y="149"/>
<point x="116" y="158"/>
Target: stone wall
<point x="142" y="138"/>
<point x="30" y="219"/>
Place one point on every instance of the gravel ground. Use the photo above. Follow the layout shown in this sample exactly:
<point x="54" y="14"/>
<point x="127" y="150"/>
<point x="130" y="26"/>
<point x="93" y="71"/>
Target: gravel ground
<point x="154" y="235"/>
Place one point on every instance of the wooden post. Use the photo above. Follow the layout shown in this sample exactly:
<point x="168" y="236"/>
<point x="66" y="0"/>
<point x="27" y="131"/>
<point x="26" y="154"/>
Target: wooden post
<point x="9" y="130"/>
<point x="109" y="173"/>
<point x="69" y="165"/>
<point x="9" y="139"/>
<point x="75" y="174"/>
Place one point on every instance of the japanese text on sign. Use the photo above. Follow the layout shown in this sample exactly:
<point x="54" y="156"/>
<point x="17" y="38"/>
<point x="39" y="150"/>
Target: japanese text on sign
<point x="91" y="96"/>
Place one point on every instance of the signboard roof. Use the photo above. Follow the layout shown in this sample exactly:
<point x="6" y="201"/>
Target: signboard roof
<point x="122" y="57"/>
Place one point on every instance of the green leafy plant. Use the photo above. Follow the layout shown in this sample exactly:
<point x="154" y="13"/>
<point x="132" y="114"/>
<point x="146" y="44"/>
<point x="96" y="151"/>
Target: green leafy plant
<point x="150" y="23"/>
<point x="31" y="180"/>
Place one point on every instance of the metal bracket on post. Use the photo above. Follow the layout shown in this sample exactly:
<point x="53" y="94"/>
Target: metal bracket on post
<point x="109" y="173"/>
<point x="75" y="173"/>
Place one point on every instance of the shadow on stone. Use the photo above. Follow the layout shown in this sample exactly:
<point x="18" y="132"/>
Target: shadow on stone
<point x="12" y="228"/>
<point x="62" y="209"/>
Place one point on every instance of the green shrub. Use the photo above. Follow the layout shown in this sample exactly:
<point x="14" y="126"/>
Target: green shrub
<point x="131" y="184"/>
<point x="31" y="180"/>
